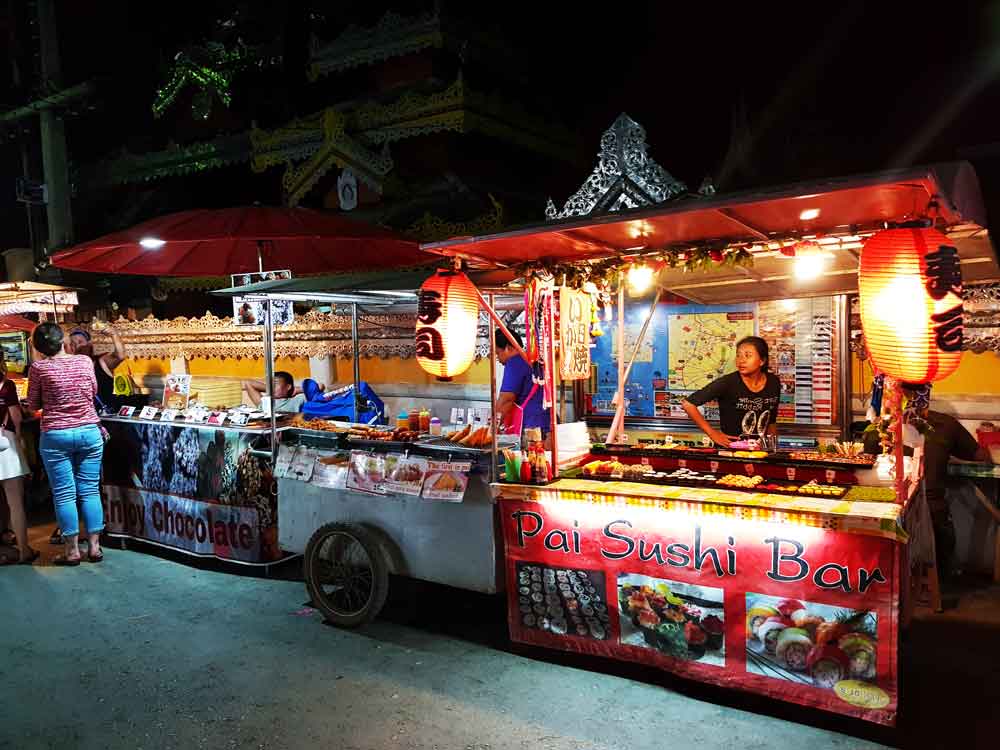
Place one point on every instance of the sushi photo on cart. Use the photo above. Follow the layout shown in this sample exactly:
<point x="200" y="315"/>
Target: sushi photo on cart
<point x="813" y="644"/>
<point x="681" y="620"/>
<point x="564" y="602"/>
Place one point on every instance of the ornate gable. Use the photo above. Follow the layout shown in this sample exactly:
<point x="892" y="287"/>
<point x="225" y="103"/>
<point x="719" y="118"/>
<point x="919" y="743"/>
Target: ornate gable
<point x="625" y="177"/>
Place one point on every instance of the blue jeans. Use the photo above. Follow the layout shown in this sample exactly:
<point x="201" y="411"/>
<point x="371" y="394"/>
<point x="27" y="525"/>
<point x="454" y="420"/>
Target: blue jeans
<point x="72" y="460"/>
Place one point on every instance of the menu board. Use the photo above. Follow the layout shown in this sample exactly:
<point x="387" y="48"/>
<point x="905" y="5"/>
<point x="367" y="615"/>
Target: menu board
<point x="367" y="472"/>
<point x="574" y="334"/>
<point x="405" y="475"/>
<point x="802" y="340"/>
<point x="689" y="346"/>
<point x="446" y="480"/>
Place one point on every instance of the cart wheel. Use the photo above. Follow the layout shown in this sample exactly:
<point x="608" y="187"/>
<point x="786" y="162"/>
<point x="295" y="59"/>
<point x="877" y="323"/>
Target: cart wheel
<point x="346" y="575"/>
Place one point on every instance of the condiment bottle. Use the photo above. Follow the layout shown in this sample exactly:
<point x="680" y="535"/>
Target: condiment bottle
<point x="434" y="426"/>
<point x="403" y="421"/>
<point x="526" y="468"/>
<point x="415" y="419"/>
<point x="425" y="420"/>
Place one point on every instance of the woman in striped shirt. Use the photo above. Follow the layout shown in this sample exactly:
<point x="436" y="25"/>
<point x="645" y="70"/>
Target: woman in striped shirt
<point x="63" y="386"/>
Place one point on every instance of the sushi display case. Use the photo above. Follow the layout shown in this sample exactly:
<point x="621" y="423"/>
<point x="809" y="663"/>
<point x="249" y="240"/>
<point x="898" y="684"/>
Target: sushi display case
<point x="795" y="598"/>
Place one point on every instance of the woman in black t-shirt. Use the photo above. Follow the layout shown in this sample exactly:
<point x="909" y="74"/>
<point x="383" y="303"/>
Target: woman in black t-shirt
<point x="748" y="398"/>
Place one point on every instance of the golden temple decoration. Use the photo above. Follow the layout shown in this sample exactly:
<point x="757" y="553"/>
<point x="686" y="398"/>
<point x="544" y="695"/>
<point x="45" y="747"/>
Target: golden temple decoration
<point x="430" y="228"/>
<point x="393" y="36"/>
<point x="313" y="334"/>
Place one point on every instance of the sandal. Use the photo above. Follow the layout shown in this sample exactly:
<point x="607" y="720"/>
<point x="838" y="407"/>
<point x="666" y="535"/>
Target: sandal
<point x="8" y="538"/>
<point x="56" y="537"/>
<point x="7" y="558"/>
<point x="66" y="561"/>
<point x="99" y="557"/>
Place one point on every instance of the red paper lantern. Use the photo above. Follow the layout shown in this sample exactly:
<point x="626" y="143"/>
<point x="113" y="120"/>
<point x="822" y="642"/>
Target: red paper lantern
<point x="447" y="324"/>
<point x="910" y="282"/>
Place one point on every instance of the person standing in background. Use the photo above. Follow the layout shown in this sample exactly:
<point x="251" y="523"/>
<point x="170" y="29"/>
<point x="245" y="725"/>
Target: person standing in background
<point x="13" y="468"/>
<point x="63" y="386"/>
<point x="104" y="364"/>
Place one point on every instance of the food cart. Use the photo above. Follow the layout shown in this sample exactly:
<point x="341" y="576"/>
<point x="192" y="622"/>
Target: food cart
<point x="775" y="572"/>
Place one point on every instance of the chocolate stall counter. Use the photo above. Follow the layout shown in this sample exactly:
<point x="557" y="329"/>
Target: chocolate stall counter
<point x="792" y="597"/>
<point x="203" y="489"/>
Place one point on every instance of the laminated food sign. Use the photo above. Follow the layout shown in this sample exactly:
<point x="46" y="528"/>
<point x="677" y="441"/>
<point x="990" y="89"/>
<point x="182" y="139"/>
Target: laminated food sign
<point x="798" y="613"/>
<point x="574" y="334"/>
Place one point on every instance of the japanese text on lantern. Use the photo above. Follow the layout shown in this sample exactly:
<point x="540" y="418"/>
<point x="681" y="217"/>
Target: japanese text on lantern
<point x="574" y="334"/>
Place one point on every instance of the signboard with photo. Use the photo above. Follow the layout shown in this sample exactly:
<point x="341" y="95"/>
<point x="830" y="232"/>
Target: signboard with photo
<point x="176" y="391"/>
<point x="248" y="312"/>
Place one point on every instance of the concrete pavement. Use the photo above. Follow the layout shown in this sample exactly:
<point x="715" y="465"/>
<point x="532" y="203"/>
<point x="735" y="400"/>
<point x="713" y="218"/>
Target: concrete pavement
<point x="146" y="652"/>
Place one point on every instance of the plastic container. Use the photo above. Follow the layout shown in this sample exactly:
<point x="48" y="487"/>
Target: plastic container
<point x="425" y="420"/>
<point x="403" y="421"/>
<point x="434" y="426"/>
<point x="414" y="420"/>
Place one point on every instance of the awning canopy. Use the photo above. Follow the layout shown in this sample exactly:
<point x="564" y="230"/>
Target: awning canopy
<point x="33" y="296"/>
<point x="838" y="213"/>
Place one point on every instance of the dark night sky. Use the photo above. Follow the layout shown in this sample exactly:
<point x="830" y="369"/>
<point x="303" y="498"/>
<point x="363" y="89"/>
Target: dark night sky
<point x="828" y="88"/>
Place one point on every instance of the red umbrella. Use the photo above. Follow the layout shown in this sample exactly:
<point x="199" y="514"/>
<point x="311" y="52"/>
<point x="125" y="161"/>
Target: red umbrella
<point x="242" y="240"/>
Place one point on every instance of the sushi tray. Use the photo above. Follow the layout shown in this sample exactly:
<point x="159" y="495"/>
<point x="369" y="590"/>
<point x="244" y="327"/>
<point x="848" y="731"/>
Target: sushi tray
<point x="618" y="472"/>
<point x="564" y="602"/>
<point x="809" y="643"/>
<point x="685" y="621"/>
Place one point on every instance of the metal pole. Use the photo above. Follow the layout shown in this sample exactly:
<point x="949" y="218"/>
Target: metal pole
<point x="843" y="363"/>
<point x="269" y="373"/>
<point x="550" y="366"/>
<point x="357" y="362"/>
<point x="493" y="393"/>
<point x="619" y="419"/>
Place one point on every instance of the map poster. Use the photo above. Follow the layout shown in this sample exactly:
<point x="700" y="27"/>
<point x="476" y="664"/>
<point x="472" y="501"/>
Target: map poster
<point x="574" y="334"/>
<point x="703" y="346"/>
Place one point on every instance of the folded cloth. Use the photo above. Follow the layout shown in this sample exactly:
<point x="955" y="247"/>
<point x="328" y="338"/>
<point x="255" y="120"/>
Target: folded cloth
<point x="339" y="404"/>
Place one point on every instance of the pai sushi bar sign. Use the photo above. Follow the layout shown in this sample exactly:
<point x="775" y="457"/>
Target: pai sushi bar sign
<point x="801" y="614"/>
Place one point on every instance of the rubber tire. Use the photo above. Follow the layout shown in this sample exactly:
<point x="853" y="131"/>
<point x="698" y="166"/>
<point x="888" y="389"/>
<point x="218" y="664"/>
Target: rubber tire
<point x="380" y="575"/>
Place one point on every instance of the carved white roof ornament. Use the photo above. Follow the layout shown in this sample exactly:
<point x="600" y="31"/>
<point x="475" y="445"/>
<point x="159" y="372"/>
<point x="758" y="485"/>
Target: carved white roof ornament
<point x="625" y="177"/>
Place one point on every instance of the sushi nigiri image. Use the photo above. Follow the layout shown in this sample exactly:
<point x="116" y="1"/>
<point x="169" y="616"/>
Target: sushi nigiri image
<point x="696" y="640"/>
<point x="793" y="648"/>
<point x="770" y="629"/>
<point x="715" y="629"/>
<point x="809" y="622"/>
<point x="827" y="665"/>
<point x="756" y="616"/>
<point x="788" y="607"/>
<point x="670" y="640"/>
<point x="648" y="619"/>
<point x="861" y="653"/>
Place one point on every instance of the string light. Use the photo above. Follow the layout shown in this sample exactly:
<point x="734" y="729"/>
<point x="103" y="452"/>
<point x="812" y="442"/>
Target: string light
<point x="639" y="278"/>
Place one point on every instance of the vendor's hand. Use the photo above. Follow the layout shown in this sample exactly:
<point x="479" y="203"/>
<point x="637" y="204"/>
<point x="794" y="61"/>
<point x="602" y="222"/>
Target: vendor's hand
<point x="720" y="438"/>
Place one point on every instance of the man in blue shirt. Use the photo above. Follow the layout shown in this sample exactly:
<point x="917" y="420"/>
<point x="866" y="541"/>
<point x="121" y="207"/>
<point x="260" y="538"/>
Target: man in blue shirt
<point x="517" y="386"/>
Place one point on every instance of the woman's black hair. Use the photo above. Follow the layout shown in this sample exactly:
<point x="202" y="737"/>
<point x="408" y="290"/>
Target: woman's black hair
<point x="47" y="338"/>
<point x="763" y="351"/>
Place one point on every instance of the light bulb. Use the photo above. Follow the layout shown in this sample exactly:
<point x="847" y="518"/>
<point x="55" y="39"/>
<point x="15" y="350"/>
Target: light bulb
<point x="640" y="278"/>
<point x="808" y="267"/>
<point x="152" y="243"/>
<point x="809" y="214"/>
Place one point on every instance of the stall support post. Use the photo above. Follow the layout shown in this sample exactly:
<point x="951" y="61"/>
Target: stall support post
<point x="357" y="365"/>
<point x="269" y="374"/>
<point x="618" y="424"/>
<point x="493" y="392"/>
<point x="499" y="323"/>
<point x="550" y="366"/>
